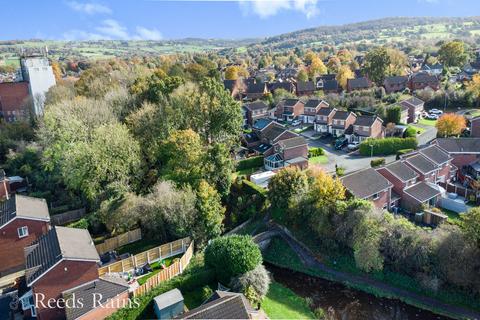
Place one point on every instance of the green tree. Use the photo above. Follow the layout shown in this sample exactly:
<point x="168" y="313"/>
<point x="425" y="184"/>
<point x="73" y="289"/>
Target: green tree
<point x="452" y="54"/>
<point x="287" y="187"/>
<point x="366" y="246"/>
<point x="393" y="114"/>
<point x="302" y="75"/>
<point x="471" y="225"/>
<point x="377" y="62"/>
<point x="232" y="256"/>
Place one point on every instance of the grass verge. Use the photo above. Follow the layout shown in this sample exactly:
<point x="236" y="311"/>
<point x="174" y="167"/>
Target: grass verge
<point x="318" y="160"/>
<point x="427" y="122"/>
<point x="283" y="303"/>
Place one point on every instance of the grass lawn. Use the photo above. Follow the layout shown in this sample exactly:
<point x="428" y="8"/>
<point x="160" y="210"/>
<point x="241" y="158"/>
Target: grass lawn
<point x="138" y="246"/>
<point x="245" y="172"/>
<point x="417" y="129"/>
<point x="157" y="268"/>
<point x="318" y="160"/>
<point x="453" y="217"/>
<point x="427" y="122"/>
<point x="283" y="303"/>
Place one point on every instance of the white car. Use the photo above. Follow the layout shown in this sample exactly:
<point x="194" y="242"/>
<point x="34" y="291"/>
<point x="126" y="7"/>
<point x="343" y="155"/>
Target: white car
<point x="436" y="111"/>
<point x="353" y="146"/>
<point x="432" y="116"/>
<point x="296" y="122"/>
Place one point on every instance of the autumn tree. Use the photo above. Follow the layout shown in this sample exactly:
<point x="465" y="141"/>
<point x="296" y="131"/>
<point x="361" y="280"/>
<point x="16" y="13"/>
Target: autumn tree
<point x="452" y="54"/>
<point x="316" y="68"/>
<point x="398" y="62"/>
<point x="57" y="71"/>
<point x="333" y="64"/>
<point x="344" y="73"/>
<point x="474" y="86"/>
<point x="450" y="124"/>
<point x="302" y="75"/>
<point x="377" y="62"/>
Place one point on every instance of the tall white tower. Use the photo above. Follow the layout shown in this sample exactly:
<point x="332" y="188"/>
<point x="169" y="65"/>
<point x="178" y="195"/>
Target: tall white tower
<point x="39" y="74"/>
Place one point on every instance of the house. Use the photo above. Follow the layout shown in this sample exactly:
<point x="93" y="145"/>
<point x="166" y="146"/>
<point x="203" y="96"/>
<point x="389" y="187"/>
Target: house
<point x="58" y="261"/>
<point x="341" y="122"/>
<point x="256" y="91"/>
<point x="320" y="81"/>
<point x="401" y="176"/>
<point x="312" y="106"/>
<point x="331" y="86"/>
<point x="22" y="221"/>
<point x="421" y="195"/>
<point x="462" y="150"/>
<point x="269" y="135"/>
<point x="224" y="305"/>
<point x="286" y="85"/>
<point x="426" y="169"/>
<point x="423" y="80"/>
<point x="361" y="83"/>
<point x="368" y="184"/>
<point x="287" y="152"/>
<point x="289" y="109"/>
<point x="256" y="110"/>
<point x="244" y="116"/>
<point x="169" y="304"/>
<point x="442" y="160"/>
<point x="235" y="87"/>
<point x="324" y="118"/>
<point x="366" y="127"/>
<point x="14" y="98"/>
<point x="403" y="111"/>
<point x="432" y="69"/>
<point x="395" y="83"/>
<point x="475" y="127"/>
<point x="111" y="293"/>
<point x="415" y="108"/>
<point x="287" y="73"/>
<point x="306" y="88"/>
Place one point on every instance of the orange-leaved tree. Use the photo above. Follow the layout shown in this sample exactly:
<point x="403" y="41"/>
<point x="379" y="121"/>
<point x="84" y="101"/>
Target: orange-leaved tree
<point x="450" y="124"/>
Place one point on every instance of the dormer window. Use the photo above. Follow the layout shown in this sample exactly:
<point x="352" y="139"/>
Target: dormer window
<point x="22" y="232"/>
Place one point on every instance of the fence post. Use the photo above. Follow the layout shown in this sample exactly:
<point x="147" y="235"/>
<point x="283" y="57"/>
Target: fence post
<point x="148" y="258"/>
<point x="171" y="248"/>
<point x="181" y="266"/>
<point x="183" y="246"/>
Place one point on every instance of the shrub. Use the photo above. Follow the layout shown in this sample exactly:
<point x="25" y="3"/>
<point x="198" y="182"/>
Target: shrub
<point x="80" y="224"/>
<point x="232" y="256"/>
<point x="377" y="162"/>
<point x="258" y="279"/>
<point x="386" y="146"/>
<point x="253" y="162"/>
<point x="340" y="171"/>
<point x="411" y="132"/>
<point x="252" y="188"/>
<point x="315" y="152"/>
<point x="402" y="152"/>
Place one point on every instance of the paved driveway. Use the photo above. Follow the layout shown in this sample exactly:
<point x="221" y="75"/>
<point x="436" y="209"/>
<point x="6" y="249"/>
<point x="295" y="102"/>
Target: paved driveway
<point x="427" y="136"/>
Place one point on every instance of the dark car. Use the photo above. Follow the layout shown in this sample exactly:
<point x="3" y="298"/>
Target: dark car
<point x="325" y="135"/>
<point x="340" y="143"/>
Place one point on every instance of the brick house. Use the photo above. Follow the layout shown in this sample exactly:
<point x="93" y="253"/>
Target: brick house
<point x="60" y="260"/>
<point x="341" y="121"/>
<point x="14" y="98"/>
<point x="289" y="109"/>
<point x="361" y="83"/>
<point x="442" y="161"/>
<point x="420" y="195"/>
<point x="395" y="83"/>
<point x="269" y="135"/>
<point x="320" y="81"/>
<point x="306" y="88"/>
<point x="368" y="184"/>
<point x="426" y="169"/>
<point x="475" y="127"/>
<point x="256" y="91"/>
<point x="415" y="108"/>
<point x="366" y="127"/>
<point x="235" y="87"/>
<point x="423" y="80"/>
<point x="286" y="85"/>
<point x="324" y="119"/>
<point x="401" y="176"/>
<point x="22" y="221"/>
<point x="288" y="152"/>
<point x="463" y="151"/>
<point x="256" y="110"/>
<point x="312" y="106"/>
<point x="331" y="86"/>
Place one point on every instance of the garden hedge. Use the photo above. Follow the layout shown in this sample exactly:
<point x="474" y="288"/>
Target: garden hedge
<point x="253" y="162"/>
<point x="377" y="162"/>
<point x="315" y="152"/>
<point x="386" y="146"/>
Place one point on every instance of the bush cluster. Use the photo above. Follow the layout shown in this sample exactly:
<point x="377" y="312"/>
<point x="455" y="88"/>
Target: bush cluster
<point x="253" y="162"/>
<point x="386" y="146"/>
<point x="377" y="162"/>
<point x="315" y="152"/>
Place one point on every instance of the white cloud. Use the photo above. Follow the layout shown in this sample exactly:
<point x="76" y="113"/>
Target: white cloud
<point x="73" y="35"/>
<point x="89" y="8"/>
<point x="268" y="8"/>
<point x="147" y="34"/>
<point x="112" y="29"/>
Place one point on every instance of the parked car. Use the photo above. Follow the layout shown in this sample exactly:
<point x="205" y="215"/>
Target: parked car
<point x="296" y="122"/>
<point x="340" y="143"/>
<point x="432" y="116"/>
<point x="325" y="135"/>
<point x="436" y="111"/>
<point x="353" y="146"/>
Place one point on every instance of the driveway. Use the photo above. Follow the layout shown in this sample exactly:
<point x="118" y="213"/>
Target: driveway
<point x="350" y="161"/>
<point x="427" y="136"/>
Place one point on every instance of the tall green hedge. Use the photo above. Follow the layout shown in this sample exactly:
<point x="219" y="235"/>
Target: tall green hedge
<point x="253" y="162"/>
<point x="386" y="146"/>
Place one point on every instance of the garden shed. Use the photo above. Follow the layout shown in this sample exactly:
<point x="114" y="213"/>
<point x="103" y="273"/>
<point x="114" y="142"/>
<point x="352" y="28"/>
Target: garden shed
<point x="169" y="304"/>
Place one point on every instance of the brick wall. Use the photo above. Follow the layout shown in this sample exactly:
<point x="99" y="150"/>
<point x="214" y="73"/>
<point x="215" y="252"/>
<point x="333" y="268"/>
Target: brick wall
<point x="108" y="308"/>
<point x="398" y="185"/>
<point x="12" y="247"/>
<point x="383" y="199"/>
<point x="300" y="151"/>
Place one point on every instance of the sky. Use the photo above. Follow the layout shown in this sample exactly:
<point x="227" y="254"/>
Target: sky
<point x="233" y="19"/>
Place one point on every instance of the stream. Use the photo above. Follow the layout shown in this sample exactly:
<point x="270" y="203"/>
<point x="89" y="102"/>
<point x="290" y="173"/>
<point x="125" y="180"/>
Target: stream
<point x="343" y="303"/>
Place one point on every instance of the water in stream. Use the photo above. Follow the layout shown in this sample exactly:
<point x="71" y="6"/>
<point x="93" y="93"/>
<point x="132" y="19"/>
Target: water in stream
<point x="343" y="303"/>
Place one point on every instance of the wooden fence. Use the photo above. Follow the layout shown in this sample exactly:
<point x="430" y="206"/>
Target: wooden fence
<point x="118" y="241"/>
<point x="173" y="270"/>
<point x="67" y="217"/>
<point x="161" y="252"/>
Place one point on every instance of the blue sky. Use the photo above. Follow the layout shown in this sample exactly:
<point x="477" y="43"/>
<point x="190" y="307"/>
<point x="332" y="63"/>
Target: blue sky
<point x="158" y="19"/>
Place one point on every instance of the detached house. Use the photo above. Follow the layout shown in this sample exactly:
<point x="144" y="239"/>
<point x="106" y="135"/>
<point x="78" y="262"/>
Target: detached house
<point x="306" y="88"/>
<point x="366" y="127"/>
<point x="312" y="106"/>
<point x="256" y="110"/>
<point x="395" y="83"/>
<point x="235" y="87"/>
<point x="368" y="184"/>
<point x="415" y="108"/>
<point x="288" y="152"/>
<point x="331" y="86"/>
<point x="287" y="86"/>
<point x="22" y="221"/>
<point x="324" y="119"/>
<point x="269" y="135"/>
<point x="341" y="122"/>
<point x="423" y="80"/>
<point x="289" y="109"/>
<point x="401" y="176"/>
<point x="256" y="91"/>
<point x="361" y="83"/>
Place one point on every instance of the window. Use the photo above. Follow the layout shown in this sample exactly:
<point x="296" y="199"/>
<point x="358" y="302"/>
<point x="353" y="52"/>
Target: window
<point x="375" y="196"/>
<point x="22" y="232"/>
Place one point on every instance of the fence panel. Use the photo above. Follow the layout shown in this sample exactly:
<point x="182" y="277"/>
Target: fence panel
<point x="118" y="241"/>
<point x="67" y="217"/>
